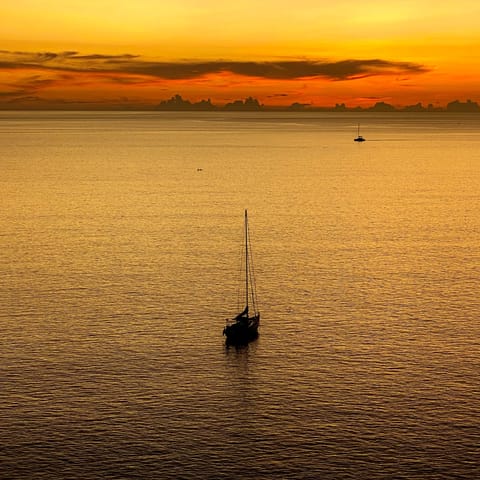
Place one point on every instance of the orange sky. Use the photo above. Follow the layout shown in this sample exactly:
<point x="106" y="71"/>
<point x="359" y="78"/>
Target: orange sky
<point x="112" y="54"/>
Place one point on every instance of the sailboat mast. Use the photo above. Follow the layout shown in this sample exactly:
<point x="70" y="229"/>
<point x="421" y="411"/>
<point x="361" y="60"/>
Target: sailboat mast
<point x="246" y="258"/>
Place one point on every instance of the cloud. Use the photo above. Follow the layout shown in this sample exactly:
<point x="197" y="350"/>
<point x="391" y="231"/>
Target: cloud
<point x="128" y="64"/>
<point x="26" y="86"/>
<point x="14" y="93"/>
<point x="26" y="99"/>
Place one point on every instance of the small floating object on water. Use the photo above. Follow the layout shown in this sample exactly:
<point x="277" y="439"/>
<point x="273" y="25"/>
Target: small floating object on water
<point x="359" y="138"/>
<point x="243" y="328"/>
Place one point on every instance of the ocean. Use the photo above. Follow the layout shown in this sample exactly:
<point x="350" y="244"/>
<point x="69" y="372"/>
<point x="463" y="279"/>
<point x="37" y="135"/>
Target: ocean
<point x="120" y="239"/>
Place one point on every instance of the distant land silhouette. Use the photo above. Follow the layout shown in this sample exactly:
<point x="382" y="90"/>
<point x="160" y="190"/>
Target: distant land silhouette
<point x="177" y="103"/>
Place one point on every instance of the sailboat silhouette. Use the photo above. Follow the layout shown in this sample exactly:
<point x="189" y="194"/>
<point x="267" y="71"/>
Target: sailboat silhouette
<point x="244" y="327"/>
<point x="358" y="138"/>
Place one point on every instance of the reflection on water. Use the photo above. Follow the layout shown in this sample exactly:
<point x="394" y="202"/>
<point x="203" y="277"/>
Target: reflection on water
<point x="118" y="261"/>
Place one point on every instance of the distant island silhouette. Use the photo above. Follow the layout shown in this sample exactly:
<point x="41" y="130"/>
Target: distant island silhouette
<point x="177" y="103"/>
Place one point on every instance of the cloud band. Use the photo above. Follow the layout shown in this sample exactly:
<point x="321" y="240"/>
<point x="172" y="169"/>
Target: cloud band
<point x="184" y="70"/>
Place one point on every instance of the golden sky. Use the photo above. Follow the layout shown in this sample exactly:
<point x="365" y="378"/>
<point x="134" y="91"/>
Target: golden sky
<point x="105" y="53"/>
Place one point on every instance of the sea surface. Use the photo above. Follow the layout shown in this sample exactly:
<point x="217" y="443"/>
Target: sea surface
<point x="120" y="239"/>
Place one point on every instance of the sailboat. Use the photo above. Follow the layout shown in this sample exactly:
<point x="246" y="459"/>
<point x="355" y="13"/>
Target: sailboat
<point x="243" y="328"/>
<point x="358" y="138"/>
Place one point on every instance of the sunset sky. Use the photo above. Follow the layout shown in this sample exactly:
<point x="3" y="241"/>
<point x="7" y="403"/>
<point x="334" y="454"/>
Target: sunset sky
<point x="133" y="54"/>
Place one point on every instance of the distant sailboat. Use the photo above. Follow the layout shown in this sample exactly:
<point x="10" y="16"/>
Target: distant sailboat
<point x="358" y="138"/>
<point x="243" y="328"/>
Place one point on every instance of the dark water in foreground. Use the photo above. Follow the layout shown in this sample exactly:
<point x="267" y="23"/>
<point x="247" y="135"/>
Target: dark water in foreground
<point x="118" y="267"/>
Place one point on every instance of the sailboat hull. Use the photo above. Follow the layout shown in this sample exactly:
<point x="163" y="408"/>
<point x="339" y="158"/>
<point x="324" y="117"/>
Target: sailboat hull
<point x="241" y="332"/>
